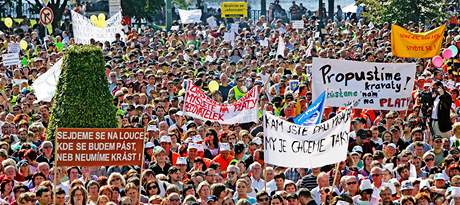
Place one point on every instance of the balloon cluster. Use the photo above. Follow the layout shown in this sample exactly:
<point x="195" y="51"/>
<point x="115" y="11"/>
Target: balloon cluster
<point x="447" y="53"/>
<point x="98" y="21"/>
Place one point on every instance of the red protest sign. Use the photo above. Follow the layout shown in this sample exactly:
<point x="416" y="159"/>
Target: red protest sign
<point x="46" y="16"/>
<point x="99" y="146"/>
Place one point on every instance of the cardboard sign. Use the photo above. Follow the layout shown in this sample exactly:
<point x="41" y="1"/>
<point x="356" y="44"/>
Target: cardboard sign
<point x="99" y="146"/>
<point x="289" y="145"/>
<point x="298" y="24"/>
<point x="190" y="16"/>
<point x="13" y="48"/>
<point x="235" y="27"/>
<point x="378" y="86"/>
<point x="200" y="106"/>
<point x="10" y="59"/>
<point x="406" y="44"/>
<point x="212" y="22"/>
<point x="234" y="9"/>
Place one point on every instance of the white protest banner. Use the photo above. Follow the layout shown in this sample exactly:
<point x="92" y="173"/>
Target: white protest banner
<point x="289" y="145"/>
<point x="200" y="106"/>
<point x="84" y="30"/>
<point x="298" y="24"/>
<point x="13" y="48"/>
<point x="190" y="16"/>
<point x="10" y="59"/>
<point x="381" y="86"/>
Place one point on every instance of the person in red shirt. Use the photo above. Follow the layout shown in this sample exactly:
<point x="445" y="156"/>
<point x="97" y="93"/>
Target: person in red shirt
<point x="224" y="157"/>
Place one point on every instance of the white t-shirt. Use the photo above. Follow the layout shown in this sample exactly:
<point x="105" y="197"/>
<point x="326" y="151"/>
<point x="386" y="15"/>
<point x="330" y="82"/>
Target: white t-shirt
<point x="434" y="113"/>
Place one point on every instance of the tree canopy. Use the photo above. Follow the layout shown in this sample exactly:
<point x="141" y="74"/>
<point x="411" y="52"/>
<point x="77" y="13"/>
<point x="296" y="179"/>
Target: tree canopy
<point x="404" y="11"/>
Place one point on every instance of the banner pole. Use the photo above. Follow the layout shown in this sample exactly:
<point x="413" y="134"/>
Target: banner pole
<point x="55" y="166"/>
<point x="336" y="173"/>
<point x="141" y="170"/>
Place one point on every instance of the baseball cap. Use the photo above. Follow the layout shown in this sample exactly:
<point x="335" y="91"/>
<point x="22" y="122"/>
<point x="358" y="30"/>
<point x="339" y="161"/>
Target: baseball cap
<point x="358" y="149"/>
<point x="152" y="128"/>
<point x="439" y="176"/>
<point x="173" y="170"/>
<point x="224" y="147"/>
<point x="257" y="141"/>
<point x="365" y="185"/>
<point x="192" y="146"/>
<point x="181" y="161"/>
<point x="211" y="198"/>
<point x="158" y="150"/>
<point x="406" y="185"/>
<point x="197" y="138"/>
<point x="437" y="137"/>
<point x="165" y="138"/>
<point x="22" y="163"/>
<point x="392" y="145"/>
<point x="149" y="145"/>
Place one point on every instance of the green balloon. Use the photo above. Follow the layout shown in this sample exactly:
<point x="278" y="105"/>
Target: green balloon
<point x="24" y="61"/>
<point x="60" y="46"/>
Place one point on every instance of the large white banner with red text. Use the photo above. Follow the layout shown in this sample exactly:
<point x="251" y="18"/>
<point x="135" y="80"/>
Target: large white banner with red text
<point x="200" y="106"/>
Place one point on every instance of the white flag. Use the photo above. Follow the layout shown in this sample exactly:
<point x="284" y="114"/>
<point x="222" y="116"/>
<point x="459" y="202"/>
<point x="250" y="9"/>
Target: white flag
<point x="45" y="85"/>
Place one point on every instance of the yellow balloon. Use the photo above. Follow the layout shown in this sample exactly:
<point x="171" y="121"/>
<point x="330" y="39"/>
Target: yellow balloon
<point x="8" y="22"/>
<point x="213" y="86"/>
<point x="23" y="44"/>
<point x="101" y="17"/>
<point x="93" y="19"/>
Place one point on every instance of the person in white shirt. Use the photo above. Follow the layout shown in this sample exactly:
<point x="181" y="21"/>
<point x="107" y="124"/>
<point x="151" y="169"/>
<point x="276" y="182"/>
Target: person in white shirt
<point x="257" y="183"/>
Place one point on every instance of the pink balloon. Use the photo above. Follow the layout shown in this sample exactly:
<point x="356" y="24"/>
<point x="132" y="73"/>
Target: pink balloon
<point x="437" y="61"/>
<point x="447" y="53"/>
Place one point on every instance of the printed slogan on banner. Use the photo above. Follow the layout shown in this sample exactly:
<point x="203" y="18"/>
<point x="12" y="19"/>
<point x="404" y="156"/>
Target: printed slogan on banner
<point x="200" y="106"/>
<point x="306" y="146"/>
<point x="99" y="146"/>
<point x="379" y="86"/>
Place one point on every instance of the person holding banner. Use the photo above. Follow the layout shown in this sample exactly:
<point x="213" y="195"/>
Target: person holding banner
<point x="440" y="116"/>
<point x="238" y="90"/>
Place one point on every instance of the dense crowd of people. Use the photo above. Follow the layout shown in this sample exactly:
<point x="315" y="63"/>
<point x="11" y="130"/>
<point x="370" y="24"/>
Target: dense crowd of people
<point x="405" y="158"/>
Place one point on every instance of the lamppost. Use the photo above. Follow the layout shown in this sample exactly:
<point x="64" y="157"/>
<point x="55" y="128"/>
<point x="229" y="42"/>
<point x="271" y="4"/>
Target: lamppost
<point x="168" y="14"/>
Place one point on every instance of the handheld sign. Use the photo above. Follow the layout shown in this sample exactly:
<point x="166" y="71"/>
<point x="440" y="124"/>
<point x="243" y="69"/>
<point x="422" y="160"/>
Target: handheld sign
<point x="10" y="59"/>
<point x="234" y="9"/>
<point x="46" y="16"/>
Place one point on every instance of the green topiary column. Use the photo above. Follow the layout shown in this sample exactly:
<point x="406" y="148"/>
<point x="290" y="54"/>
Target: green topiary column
<point x="82" y="98"/>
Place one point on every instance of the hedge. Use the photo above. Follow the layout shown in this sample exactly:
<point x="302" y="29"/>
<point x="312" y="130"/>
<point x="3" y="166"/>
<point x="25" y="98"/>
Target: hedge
<point x="82" y="98"/>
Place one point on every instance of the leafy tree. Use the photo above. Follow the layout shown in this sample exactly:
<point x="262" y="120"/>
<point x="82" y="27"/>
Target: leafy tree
<point x="147" y="9"/>
<point x="403" y="11"/>
<point x="82" y="98"/>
